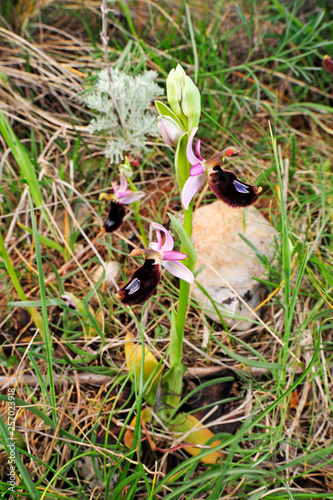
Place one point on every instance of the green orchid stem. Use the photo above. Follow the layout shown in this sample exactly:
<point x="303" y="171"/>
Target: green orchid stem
<point x="184" y="290"/>
<point x="174" y="377"/>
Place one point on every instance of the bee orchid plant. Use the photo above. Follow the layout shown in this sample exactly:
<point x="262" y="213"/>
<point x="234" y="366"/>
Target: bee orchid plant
<point x="178" y="125"/>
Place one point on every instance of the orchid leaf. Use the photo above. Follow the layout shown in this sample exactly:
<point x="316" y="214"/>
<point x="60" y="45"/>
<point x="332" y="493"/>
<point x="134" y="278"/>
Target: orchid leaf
<point x="174" y="379"/>
<point x="152" y="370"/>
<point x="182" y="165"/>
<point x="185" y="239"/>
<point x="183" y="423"/>
<point x="44" y="240"/>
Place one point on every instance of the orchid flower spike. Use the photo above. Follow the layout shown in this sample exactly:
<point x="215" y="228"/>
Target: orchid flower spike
<point x="225" y="184"/>
<point x="121" y="196"/>
<point x="144" y="281"/>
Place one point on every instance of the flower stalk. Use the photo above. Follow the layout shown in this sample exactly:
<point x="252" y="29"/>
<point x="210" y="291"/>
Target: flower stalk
<point x="184" y="100"/>
<point x="184" y="288"/>
<point x="174" y="377"/>
<point x="136" y="210"/>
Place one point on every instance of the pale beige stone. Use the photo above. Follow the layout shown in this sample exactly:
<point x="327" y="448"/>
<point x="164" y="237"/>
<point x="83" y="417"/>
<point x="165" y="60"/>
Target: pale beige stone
<point x="83" y="213"/>
<point x="112" y="273"/>
<point x="229" y="262"/>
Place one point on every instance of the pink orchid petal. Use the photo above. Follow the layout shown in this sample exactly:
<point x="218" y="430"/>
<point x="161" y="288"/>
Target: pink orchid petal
<point x="169" y="243"/>
<point x="131" y="198"/>
<point x="123" y="194"/>
<point x="179" y="270"/>
<point x="197" y="149"/>
<point x="114" y="187"/>
<point x="123" y="184"/>
<point x="197" y="170"/>
<point x="173" y="255"/>
<point x="153" y="245"/>
<point x="191" y="186"/>
<point x="189" y="148"/>
<point x="159" y="240"/>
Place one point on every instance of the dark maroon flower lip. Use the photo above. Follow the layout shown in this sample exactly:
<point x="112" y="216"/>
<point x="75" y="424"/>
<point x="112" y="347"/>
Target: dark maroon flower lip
<point x="142" y="285"/>
<point x="227" y="187"/>
<point x="115" y="218"/>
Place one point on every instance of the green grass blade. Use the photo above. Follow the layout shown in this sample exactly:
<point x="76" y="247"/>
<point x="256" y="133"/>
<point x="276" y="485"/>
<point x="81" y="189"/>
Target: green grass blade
<point x="47" y="338"/>
<point x="21" y="156"/>
<point x="44" y="240"/>
<point x="27" y="169"/>
<point x="19" y="290"/>
<point x="248" y="362"/>
<point x="194" y="47"/>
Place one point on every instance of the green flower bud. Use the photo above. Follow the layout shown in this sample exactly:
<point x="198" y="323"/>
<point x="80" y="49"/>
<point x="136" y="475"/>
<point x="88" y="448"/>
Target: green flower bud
<point x="125" y="170"/>
<point x="174" y="92"/>
<point x="191" y="103"/>
<point x="180" y="76"/>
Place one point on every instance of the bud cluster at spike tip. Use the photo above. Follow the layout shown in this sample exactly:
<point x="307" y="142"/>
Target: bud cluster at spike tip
<point x="184" y="100"/>
<point x="144" y="281"/>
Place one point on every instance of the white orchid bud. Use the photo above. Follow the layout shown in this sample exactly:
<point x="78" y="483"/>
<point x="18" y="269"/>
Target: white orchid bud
<point x="174" y="92"/>
<point x="169" y="130"/>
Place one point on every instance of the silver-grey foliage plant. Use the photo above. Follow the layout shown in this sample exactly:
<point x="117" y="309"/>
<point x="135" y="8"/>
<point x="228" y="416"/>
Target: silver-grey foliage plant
<point x="123" y="106"/>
